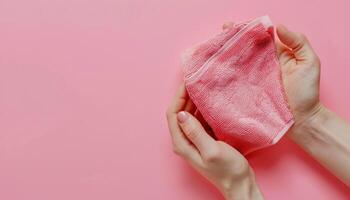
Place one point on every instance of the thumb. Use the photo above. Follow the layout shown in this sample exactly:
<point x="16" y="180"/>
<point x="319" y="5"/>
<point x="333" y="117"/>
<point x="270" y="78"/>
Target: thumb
<point x="296" y="42"/>
<point x="195" y="132"/>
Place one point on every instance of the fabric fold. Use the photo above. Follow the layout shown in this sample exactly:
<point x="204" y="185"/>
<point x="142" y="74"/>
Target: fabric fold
<point x="235" y="81"/>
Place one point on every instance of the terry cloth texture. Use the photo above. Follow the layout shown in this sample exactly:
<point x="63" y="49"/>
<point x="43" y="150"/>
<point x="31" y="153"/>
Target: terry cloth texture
<point x="235" y="81"/>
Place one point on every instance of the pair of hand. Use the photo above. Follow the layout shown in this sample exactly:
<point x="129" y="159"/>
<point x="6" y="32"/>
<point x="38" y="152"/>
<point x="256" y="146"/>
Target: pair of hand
<point x="220" y="163"/>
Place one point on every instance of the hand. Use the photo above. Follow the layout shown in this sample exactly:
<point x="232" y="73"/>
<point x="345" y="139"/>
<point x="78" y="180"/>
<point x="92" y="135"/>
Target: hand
<point x="300" y="73"/>
<point x="319" y="131"/>
<point x="221" y="164"/>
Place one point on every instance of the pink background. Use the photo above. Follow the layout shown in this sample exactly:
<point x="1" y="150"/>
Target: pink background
<point x="84" y="85"/>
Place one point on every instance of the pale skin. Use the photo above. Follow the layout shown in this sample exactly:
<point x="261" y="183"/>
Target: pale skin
<point x="317" y="130"/>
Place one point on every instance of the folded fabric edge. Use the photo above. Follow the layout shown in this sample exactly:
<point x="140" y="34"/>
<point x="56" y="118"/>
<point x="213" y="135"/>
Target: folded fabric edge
<point x="283" y="132"/>
<point x="276" y="139"/>
<point x="264" y="20"/>
<point x="188" y="52"/>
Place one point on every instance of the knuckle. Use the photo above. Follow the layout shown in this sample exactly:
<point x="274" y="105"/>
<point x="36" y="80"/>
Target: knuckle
<point x="192" y="133"/>
<point x="315" y="60"/>
<point x="178" y="151"/>
<point x="242" y="168"/>
<point x="302" y="37"/>
<point x="213" y="155"/>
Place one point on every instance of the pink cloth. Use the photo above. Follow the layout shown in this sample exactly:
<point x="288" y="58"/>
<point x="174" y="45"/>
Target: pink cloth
<point x="234" y="79"/>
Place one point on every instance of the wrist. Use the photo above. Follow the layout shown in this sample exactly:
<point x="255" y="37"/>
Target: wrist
<point x="307" y="129"/>
<point x="246" y="189"/>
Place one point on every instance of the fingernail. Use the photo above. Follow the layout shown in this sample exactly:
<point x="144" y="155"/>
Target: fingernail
<point x="182" y="116"/>
<point x="227" y="26"/>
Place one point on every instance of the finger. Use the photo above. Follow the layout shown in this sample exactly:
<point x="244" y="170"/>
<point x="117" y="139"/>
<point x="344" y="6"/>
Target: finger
<point x="195" y="132"/>
<point x="198" y="115"/>
<point x="227" y="26"/>
<point x="284" y="53"/>
<point x="280" y="47"/>
<point x="181" y="145"/>
<point x="297" y="43"/>
<point x="190" y="106"/>
<point x="179" y="100"/>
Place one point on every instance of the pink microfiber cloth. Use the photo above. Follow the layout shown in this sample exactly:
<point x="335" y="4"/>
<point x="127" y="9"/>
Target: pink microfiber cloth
<point x="235" y="81"/>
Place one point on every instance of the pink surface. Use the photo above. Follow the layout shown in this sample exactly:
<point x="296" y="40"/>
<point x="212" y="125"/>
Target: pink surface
<point x="237" y="86"/>
<point x="84" y="86"/>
